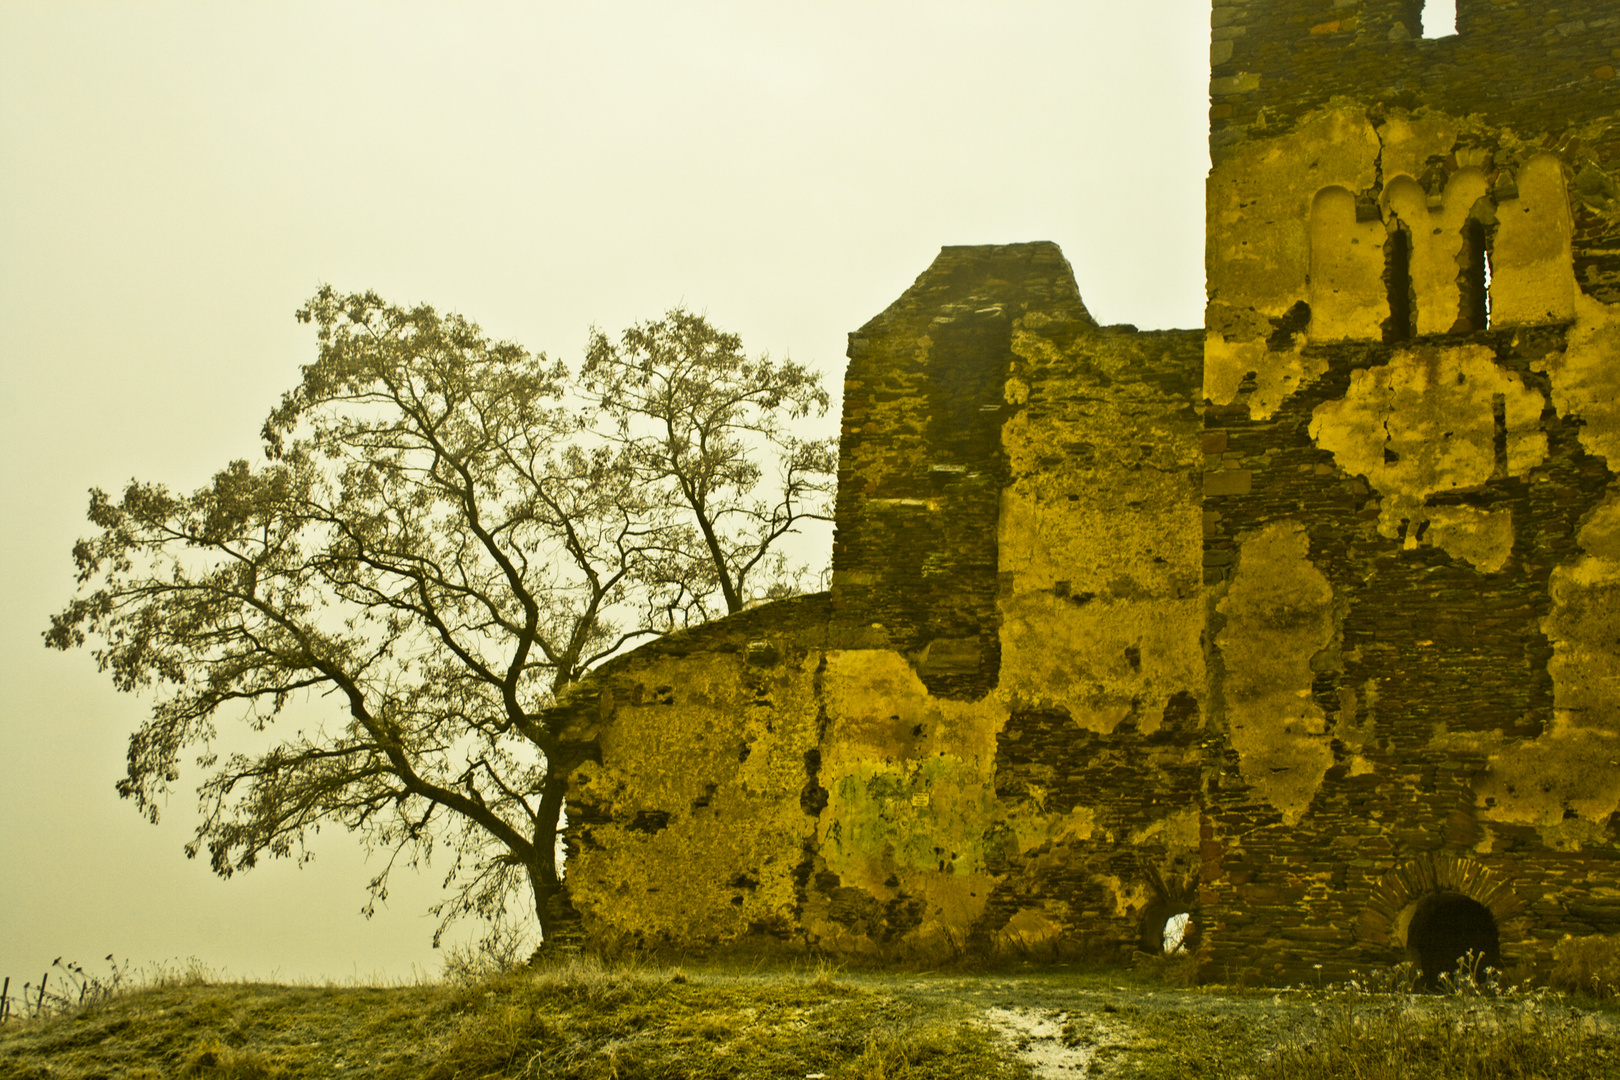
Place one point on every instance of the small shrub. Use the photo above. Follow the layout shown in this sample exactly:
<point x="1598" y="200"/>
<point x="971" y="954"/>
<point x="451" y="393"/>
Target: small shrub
<point x="1588" y="965"/>
<point x="504" y="948"/>
<point x="825" y="975"/>
<point x="66" y="988"/>
<point x="582" y="976"/>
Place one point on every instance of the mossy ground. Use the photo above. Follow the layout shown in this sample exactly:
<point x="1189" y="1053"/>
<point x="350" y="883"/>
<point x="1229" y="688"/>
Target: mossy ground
<point x="584" y="1020"/>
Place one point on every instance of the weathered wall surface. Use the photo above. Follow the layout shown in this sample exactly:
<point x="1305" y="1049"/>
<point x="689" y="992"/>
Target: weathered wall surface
<point x="1097" y="768"/>
<point x="1290" y="622"/>
<point x="991" y="725"/>
<point x="688" y="828"/>
<point x="1408" y="544"/>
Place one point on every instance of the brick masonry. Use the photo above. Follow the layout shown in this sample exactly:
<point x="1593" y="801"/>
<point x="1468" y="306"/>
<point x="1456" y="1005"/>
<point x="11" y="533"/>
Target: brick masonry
<point x="1289" y="622"/>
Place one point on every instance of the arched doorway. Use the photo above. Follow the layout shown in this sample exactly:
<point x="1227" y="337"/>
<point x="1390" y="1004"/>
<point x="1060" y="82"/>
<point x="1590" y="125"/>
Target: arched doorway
<point x="1167" y="929"/>
<point x="1445" y="927"/>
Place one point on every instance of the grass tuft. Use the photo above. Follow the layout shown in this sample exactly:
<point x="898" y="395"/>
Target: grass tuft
<point x="1588" y="965"/>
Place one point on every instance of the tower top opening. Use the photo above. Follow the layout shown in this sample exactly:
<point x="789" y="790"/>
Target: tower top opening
<point x="1439" y="18"/>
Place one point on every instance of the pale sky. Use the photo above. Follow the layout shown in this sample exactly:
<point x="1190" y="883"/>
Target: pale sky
<point x="176" y="178"/>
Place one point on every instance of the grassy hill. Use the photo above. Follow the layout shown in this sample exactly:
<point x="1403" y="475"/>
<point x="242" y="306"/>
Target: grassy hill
<point x="580" y="1018"/>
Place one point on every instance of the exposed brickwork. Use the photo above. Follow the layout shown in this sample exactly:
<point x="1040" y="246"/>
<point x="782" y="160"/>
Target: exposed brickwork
<point x="1448" y="650"/>
<point x="1298" y="623"/>
<point x="1440" y="679"/>
<point x="921" y="466"/>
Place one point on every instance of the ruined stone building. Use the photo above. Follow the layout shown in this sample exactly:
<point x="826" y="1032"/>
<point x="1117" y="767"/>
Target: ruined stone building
<point x="1306" y="623"/>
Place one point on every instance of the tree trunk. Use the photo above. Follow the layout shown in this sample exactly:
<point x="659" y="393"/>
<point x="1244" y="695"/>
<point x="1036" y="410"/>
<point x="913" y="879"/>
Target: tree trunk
<point x="560" y="924"/>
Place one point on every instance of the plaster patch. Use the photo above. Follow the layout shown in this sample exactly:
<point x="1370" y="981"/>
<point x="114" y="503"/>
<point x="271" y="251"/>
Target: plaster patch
<point x="1033" y="827"/>
<point x="1279" y="614"/>
<point x="1483" y="538"/>
<point x="676" y="886"/>
<point x="1584" y="628"/>
<point x="1537" y="781"/>
<point x="907" y="810"/>
<point x="920" y="815"/>
<point x="727" y="817"/>
<point x="1101" y="606"/>
<point x="1425" y="423"/>
<point x="1586" y="377"/>
<point x="1409" y="141"/>
<point x="1077" y="824"/>
<point x="1348" y="299"/>
<point x="1029" y="927"/>
<point x="1567" y="780"/>
<point x="1258" y="201"/>
<point x="876" y="703"/>
<point x="1078" y="657"/>
<point x="1277" y="373"/>
<point x="1532" y="270"/>
<point x="1123" y="899"/>
<point x="1177" y="830"/>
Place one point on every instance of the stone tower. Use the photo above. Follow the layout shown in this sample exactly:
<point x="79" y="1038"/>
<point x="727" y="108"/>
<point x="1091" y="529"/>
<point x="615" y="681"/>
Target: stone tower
<point x="1411" y="553"/>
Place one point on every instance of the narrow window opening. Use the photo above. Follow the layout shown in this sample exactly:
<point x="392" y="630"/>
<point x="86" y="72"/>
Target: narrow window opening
<point x="1398" y="281"/>
<point x="1473" y="280"/>
<point x="1448" y="927"/>
<point x="1175" y="933"/>
<point x="1439" y="18"/>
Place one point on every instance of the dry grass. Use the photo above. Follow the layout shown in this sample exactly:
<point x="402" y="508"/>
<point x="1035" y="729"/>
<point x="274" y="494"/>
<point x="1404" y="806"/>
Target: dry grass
<point x="1479" y="1028"/>
<point x="1588" y="965"/>
<point x="576" y="1019"/>
<point x="585" y="1019"/>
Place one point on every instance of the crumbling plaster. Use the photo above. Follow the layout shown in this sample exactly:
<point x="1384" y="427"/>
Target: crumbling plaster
<point x="1101" y="609"/>
<point x="1278" y="617"/>
<point x="1289" y="622"/>
<point x="1425" y="423"/>
<point x="1304" y="219"/>
<point x="895" y="819"/>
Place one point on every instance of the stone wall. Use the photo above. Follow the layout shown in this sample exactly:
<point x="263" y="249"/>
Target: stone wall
<point x="1533" y="72"/>
<point x="1407" y="501"/>
<point x="1303" y="623"/>
<point x="986" y="736"/>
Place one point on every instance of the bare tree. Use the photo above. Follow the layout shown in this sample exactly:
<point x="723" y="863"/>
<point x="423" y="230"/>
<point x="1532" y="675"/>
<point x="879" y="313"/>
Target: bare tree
<point x="696" y="417"/>
<point x="437" y="542"/>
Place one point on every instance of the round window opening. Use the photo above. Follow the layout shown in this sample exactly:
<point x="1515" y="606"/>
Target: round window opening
<point x="1175" y="933"/>
<point x="1446" y="928"/>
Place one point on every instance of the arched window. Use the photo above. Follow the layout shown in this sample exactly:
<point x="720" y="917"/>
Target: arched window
<point x="1531" y="266"/>
<point x="1398" y="283"/>
<point x="1473" y="279"/>
<point x="1347" y="297"/>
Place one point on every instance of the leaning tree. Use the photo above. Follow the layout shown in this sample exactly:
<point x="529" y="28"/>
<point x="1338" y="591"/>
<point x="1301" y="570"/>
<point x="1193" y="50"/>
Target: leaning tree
<point x="442" y="537"/>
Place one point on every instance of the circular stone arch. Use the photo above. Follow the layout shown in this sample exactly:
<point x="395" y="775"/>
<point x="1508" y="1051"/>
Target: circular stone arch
<point x="1427" y="907"/>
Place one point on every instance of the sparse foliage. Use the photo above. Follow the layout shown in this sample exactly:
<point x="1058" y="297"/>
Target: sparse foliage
<point x="438" y="543"/>
<point x="693" y="413"/>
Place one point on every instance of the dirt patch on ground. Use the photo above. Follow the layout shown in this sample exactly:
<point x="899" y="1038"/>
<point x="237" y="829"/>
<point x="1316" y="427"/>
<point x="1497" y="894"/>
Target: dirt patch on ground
<point x="1041" y="1039"/>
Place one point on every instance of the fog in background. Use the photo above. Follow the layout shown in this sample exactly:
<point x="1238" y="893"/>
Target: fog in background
<point x="177" y="178"/>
